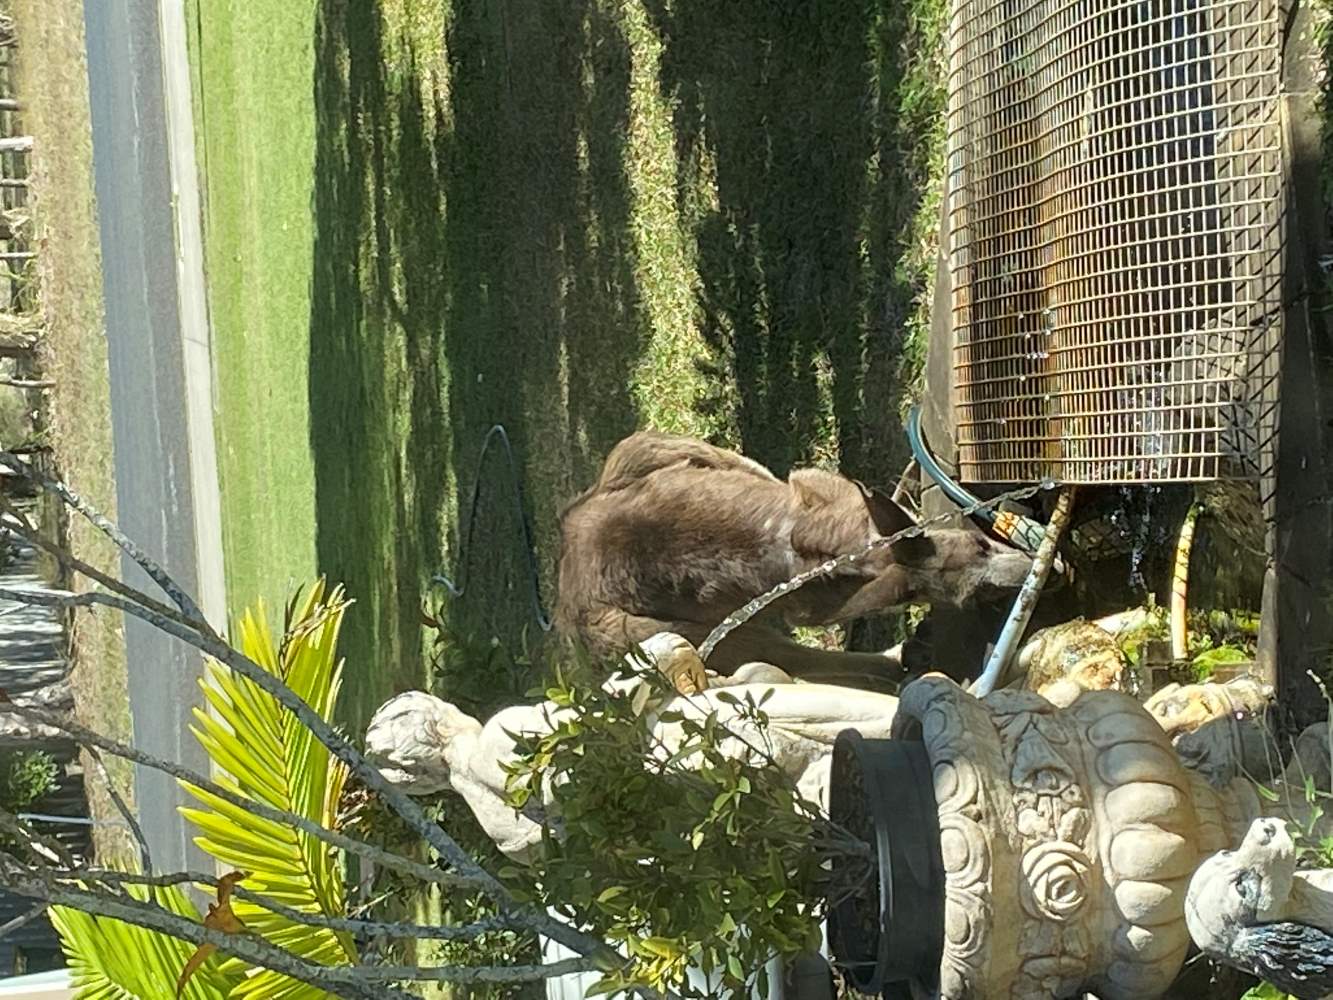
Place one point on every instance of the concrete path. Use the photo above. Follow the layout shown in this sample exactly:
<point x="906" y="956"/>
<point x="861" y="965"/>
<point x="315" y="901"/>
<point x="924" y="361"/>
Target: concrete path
<point x="166" y="474"/>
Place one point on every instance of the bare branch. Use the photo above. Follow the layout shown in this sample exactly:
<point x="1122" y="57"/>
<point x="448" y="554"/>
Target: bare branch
<point x="22" y="920"/>
<point x="348" y="980"/>
<point x="201" y="636"/>
<point x="103" y="524"/>
<point x="358" y="928"/>
<point x="408" y="810"/>
<point x="127" y="814"/>
<point x="47" y="848"/>
<point x="87" y="738"/>
<point x="345" y="980"/>
<point x="475" y="973"/>
<point x="69" y="561"/>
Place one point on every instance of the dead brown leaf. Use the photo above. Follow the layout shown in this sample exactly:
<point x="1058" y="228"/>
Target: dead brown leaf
<point x="219" y="918"/>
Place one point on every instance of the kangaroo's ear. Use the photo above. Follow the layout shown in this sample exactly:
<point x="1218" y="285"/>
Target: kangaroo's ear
<point x="886" y="515"/>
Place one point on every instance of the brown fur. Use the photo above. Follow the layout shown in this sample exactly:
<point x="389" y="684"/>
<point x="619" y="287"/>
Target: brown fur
<point x="676" y="534"/>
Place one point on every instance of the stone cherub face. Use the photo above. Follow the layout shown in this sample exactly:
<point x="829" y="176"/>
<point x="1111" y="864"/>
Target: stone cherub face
<point x="1240" y="888"/>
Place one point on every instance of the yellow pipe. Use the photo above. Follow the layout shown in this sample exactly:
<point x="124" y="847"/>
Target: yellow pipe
<point x="1180" y="579"/>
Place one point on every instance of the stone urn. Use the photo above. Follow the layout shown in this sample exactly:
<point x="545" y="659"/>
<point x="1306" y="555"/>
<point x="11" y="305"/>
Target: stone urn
<point x="1067" y="835"/>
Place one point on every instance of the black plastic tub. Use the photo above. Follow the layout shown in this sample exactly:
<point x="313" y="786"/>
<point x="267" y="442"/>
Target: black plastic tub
<point x="887" y="936"/>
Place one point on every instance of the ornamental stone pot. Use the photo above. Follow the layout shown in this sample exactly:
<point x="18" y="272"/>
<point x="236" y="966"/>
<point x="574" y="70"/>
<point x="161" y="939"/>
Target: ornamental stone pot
<point x="1067" y="835"/>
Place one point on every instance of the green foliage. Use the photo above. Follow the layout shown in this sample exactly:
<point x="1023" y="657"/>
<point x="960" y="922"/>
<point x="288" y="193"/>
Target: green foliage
<point x="1312" y="849"/>
<point x="1208" y="660"/>
<point x="1155" y="626"/>
<point x="269" y="757"/>
<point x="111" y="960"/>
<point x="479" y="674"/>
<point x="28" y="777"/>
<point x="1219" y="639"/>
<point x="685" y="858"/>
<point x="394" y="896"/>
<point x="274" y="759"/>
<point x="1265" y="991"/>
<point x="1215" y="639"/>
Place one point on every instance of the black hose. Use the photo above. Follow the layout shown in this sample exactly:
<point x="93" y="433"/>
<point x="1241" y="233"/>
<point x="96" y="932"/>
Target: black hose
<point x="1021" y="531"/>
<point x="917" y="442"/>
<point x="457" y="589"/>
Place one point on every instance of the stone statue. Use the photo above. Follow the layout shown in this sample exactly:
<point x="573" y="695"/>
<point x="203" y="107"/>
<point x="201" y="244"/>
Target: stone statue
<point x="1070" y="825"/>
<point x="425" y="745"/>
<point x="1251" y="909"/>
<point x="1070" y="829"/>
<point x="1221" y="731"/>
<point x="1068" y="832"/>
<point x="1082" y="653"/>
<point x="1186" y="708"/>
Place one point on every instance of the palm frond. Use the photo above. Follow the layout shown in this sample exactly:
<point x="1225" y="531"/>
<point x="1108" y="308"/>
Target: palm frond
<point x="270" y="757"/>
<point x="112" y="960"/>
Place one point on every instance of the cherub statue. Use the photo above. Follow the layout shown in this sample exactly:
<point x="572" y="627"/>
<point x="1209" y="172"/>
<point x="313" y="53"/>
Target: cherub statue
<point x="425" y="745"/>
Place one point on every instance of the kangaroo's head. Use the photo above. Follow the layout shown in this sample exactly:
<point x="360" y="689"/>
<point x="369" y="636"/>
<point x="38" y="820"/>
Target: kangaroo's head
<point x="960" y="567"/>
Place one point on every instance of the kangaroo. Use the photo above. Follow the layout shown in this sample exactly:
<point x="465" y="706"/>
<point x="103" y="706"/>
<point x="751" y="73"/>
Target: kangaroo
<point x="676" y="534"/>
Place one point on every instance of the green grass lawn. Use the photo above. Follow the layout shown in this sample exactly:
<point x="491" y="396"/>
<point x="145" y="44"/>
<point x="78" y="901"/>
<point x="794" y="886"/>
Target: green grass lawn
<point x="572" y="218"/>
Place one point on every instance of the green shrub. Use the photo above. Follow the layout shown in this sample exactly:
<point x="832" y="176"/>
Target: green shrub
<point x="26" y="777"/>
<point x="693" y="858"/>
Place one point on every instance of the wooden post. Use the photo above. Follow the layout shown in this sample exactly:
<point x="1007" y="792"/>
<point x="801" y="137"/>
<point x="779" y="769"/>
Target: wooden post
<point x="1296" y="630"/>
<point x="16" y="144"/>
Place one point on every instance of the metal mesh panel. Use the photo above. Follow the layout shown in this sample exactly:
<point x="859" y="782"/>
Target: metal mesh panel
<point x="1115" y="182"/>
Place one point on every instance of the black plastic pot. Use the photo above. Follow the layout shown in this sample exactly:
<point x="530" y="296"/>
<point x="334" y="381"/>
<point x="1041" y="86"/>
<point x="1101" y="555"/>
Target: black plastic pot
<point x="888" y="936"/>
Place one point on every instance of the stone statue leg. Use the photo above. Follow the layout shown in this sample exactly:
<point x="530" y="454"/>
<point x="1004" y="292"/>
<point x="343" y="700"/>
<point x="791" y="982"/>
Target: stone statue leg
<point x="759" y="644"/>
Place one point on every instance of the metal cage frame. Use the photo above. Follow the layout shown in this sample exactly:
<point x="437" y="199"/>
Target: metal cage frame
<point x="1114" y="235"/>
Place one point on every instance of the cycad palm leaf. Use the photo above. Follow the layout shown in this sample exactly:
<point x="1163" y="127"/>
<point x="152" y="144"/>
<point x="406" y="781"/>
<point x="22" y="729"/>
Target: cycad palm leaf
<point x="111" y="960"/>
<point x="270" y="757"/>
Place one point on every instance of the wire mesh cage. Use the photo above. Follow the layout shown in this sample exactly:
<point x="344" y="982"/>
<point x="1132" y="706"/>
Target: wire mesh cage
<point x="1114" y="237"/>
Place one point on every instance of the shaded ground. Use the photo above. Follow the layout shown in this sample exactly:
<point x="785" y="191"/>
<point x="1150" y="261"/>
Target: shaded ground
<point x="573" y="219"/>
<point x="54" y="85"/>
